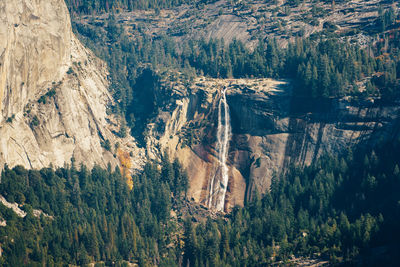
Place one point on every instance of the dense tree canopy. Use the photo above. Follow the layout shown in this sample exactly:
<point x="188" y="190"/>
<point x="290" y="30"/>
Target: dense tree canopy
<point x="96" y="217"/>
<point x="322" y="65"/>
<point x="102" y="6"/>
<point x="338" y="208"/>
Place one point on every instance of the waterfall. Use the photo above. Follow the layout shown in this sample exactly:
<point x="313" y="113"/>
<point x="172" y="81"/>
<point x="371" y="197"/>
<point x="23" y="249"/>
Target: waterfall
<point x="218" y="190"/>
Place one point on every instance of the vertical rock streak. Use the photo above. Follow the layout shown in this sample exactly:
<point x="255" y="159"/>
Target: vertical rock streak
<point x="218" y="189"/>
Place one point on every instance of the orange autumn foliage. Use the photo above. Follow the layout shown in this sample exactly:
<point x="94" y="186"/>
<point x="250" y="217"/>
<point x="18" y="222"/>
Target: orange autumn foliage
<point x="125" y="166"/>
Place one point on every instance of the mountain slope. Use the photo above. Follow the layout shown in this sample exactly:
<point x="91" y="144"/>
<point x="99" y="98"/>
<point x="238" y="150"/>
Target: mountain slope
<point x="53" y="91"/>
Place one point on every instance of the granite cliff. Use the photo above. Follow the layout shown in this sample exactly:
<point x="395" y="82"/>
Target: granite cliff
<point x="53" y="91"/>
<point x="271" y="129"/>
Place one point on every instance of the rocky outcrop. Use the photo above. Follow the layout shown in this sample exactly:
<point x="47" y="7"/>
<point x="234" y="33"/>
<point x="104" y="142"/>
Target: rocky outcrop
<point x="271" y="130"/>
<point x="189" y="132"/>
<point x="53" y="91"/>
<point x="20" y="213"/>
<point x="275" y="131"/>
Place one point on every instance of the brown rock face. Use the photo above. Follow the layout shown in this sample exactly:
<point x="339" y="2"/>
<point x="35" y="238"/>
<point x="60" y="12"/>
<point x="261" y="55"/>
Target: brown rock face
<point x="53" y="91"/>
<point x="270" y="131"/>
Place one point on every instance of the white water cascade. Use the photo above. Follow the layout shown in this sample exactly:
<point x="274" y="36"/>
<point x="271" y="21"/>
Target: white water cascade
<point x="219" y="182"/>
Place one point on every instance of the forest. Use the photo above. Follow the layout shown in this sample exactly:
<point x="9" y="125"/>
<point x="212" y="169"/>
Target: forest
<point x="95" y="217"/>
<point x="320" y="66"/>
<point x="338" y="209"/>
<point x="341" y="208"/>
<point x="103" y="6"/>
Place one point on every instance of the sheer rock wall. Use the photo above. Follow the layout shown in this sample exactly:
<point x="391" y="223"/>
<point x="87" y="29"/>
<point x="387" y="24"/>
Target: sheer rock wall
<point x="53" y="91"/>
<point x="271" y="130"/>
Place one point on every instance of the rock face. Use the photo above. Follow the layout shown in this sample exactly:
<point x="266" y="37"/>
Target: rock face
<point x="276" y="130"/>
<point x="53" y="91"/>
<point x="270" y="131"/>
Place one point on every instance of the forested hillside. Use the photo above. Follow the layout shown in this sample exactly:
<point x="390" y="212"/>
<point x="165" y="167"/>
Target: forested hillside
<point x="342" y="209"/>
<point x="323" y="65"/>
<point x="96" y="216"/>
<point x="101" y="6"/>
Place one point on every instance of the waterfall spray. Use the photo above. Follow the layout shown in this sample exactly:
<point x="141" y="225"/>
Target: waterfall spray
<point x="223" y="136"/>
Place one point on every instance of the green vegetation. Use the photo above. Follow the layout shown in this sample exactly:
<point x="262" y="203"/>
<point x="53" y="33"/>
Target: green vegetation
<point x="101" y="6"/>
<point x="323" y="65"/>
<point x="341" y="209"/>
<point x="34" y="121"/>
<point x="386" y="19"/>
<point x="49" y="94"/>
<point x="10" y="119"/>
<point x="96" y="217"/>
<point x="336" y="209"/>
<point x="106" y="145"/>
<point x="70" y="70"/>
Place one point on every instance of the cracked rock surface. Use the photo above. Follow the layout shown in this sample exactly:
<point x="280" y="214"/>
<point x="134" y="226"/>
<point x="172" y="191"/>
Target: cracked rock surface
<point x="53" y="91"/>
